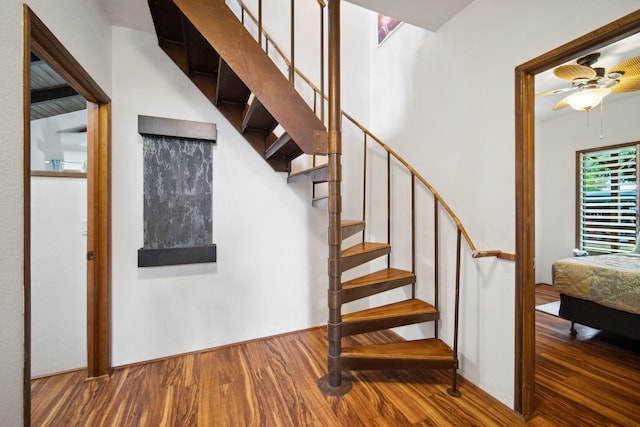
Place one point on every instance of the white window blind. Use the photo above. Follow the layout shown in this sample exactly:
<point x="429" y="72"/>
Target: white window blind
<point x="607" y="199"/>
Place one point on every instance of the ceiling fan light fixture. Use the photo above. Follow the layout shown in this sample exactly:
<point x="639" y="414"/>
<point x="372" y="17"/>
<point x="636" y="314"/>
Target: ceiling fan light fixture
<point x="587" y="99"/>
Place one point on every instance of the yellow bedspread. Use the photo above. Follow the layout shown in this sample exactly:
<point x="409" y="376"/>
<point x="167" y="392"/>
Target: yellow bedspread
<point x="609" y="280"/>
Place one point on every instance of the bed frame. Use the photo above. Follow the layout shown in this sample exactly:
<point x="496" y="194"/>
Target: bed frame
<point x="598" y="316"/>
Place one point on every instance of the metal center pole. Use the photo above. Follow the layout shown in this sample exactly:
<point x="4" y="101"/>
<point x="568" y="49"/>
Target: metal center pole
<point x="333" y="384"/>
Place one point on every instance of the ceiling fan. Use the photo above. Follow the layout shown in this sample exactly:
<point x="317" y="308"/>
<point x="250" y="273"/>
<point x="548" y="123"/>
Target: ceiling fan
<point x="591" y="84"/>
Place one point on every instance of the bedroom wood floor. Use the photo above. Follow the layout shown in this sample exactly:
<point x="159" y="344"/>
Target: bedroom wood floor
<point x="590" y="380"/>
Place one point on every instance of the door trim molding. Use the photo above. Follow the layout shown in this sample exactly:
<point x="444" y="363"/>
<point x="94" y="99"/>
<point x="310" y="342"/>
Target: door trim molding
<point x="525" y="194"/>
<point x="40" y="40"/>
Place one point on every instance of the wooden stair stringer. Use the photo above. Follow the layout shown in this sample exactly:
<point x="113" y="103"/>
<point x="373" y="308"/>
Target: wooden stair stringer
<point x="215" y="21"/>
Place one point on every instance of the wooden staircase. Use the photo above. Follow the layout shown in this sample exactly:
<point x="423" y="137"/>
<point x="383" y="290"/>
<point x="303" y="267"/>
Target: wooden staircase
<point x="208" y="43"/>
<point x="431" y="353"/>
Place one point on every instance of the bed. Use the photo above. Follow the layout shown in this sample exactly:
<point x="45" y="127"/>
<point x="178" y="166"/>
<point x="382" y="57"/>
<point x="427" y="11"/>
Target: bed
<point x="601" y="292"/>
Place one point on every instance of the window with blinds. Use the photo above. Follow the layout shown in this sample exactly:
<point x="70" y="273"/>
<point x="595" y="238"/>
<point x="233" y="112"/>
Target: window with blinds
<point x="607" y="199"/>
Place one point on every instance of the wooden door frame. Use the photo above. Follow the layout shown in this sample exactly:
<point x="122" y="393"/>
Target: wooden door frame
<point x="40" y="40"/>
<point x="525" y="194"/>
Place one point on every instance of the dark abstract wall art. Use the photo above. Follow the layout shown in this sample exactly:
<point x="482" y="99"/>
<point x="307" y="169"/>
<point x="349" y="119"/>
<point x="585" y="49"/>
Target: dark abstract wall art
<point x="178" y="192"/>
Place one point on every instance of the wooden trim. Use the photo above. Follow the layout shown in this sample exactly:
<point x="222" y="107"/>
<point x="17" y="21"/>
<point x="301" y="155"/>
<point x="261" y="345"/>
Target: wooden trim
<point x="26" y="170"/>
<point x="176" y="256"/>
<point x="608" y="147"/>
<point x="51" y="174"/>
<point x="54" y="374"/>
<point x="175" y="128"/>
<point x="525" y="249"/>
<point x="99" y="199"/>
<point x="48" y="48"/>
<point x="39" y="40"/>
<point x="576" y="201"/>
<point x="525" y="194"/>
<point x="577" y="177"/>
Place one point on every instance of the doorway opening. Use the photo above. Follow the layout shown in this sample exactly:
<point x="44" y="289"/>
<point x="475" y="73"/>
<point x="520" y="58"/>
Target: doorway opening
<point x="525" y="194"/>
<point x="40" y="43"/>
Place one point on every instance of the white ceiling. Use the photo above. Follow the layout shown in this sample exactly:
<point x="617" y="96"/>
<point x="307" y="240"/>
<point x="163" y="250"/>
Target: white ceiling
<point x="129" y="13"/>
<point x="428" y="14"/>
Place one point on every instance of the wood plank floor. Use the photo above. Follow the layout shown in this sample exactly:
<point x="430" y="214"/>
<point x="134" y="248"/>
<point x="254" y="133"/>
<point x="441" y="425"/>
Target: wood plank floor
<point x="589" y="380"/>
<point x="592" y="379"/>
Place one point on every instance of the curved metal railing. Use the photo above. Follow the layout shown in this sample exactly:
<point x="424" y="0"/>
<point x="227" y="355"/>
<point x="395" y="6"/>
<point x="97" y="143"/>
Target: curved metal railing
<point x="272" y="49"/>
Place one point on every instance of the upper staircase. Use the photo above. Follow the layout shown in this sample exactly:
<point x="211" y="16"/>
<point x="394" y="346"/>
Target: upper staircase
<point x="212" y="47"/>
<point x="209" y="44"/>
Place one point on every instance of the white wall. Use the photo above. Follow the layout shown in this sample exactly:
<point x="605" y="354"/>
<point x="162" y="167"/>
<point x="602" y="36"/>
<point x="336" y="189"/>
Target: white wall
<point x="57" y="137"/>
<point x="58" y="275"/>
<point x="557" y="141"/>
<point x="270" y="276"/>
<point x="83" y="29"/>
<point x="445" y="102"/>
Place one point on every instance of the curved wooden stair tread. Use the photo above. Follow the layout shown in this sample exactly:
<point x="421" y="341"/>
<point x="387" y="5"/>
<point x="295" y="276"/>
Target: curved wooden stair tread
<point x="430" y="353"/>
<point x="363" y="252"/>
<point x="401" y="313"/>
<point x="374" y="283"/>
<point x="427" y="349"/>
<point x="408" y="307"/>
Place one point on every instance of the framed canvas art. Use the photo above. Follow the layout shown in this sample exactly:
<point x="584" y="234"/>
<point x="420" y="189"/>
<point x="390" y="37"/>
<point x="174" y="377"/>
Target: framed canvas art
<point x="386" y="25"/>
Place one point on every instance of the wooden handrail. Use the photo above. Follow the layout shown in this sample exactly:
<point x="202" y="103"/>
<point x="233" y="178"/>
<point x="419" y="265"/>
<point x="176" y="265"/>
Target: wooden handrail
<point x="475" y="252"/>
<point x="452" y="215"/>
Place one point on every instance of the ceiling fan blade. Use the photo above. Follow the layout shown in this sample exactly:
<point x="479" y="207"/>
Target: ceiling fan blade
<point x="629" y="84"/>
<point x="629" y="68"/>
<point x="553" y="92"/>
<point x="560" y="104"/>
<point x="571" y="72"/>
